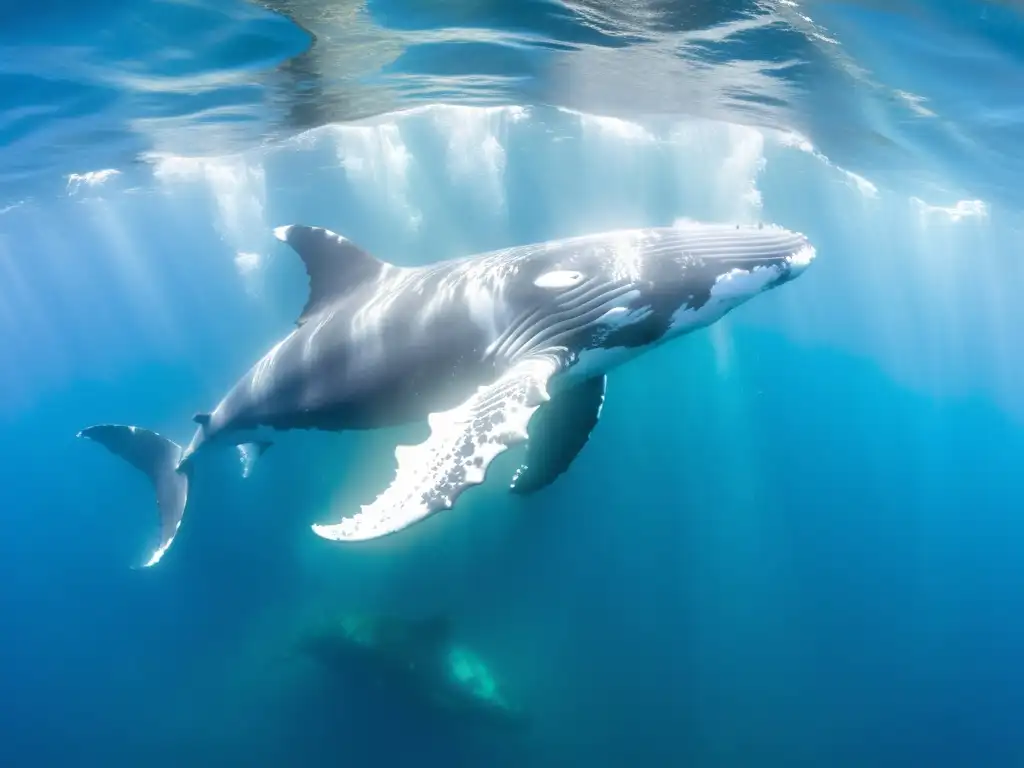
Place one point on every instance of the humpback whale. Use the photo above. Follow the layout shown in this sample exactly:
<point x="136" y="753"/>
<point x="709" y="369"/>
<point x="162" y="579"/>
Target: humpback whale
<point x="420" y="657"/>
<point x="492" y="350"/>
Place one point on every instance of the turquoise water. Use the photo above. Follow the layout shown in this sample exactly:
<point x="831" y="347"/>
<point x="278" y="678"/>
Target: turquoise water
<point x="793" y="539"/>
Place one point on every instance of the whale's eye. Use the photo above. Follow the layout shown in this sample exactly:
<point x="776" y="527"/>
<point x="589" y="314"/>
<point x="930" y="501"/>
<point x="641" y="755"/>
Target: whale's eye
<point x="562" y="278"/>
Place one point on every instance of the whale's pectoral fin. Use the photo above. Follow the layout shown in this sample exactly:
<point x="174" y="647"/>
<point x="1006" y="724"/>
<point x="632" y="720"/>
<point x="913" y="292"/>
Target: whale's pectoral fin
<point x="462" y="444"/>
<point x="558" y="431"/>
<point x="250" y="453"/>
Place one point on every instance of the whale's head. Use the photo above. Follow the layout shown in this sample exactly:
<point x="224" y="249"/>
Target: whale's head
<point x="625" y="291"/>
<point x="692" y="276"/>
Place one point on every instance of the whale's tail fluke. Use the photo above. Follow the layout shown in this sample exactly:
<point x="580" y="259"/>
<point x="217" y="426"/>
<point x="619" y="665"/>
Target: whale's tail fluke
<point x="156" y="457"/>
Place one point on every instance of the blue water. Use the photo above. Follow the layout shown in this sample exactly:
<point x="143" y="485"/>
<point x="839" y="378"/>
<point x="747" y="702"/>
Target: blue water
<point x="793" y="539"/>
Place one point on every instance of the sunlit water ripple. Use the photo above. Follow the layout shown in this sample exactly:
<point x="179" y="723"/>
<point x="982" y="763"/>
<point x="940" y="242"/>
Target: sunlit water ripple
<point x="919" y="96"/>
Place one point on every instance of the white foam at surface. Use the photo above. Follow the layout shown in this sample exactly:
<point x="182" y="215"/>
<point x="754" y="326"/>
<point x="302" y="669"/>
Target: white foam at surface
<point x="76" y="181"/>
<point x="248" y="262"/>
<point x="962" y="209"/>
<point x="797" y="141"/>
<point x="616" y="180"/>
<point x="737" y="180"/>
<point x="238" y="186"/>
<point x="613" y="128"/>
<point x="376" y="162"/>
<point x="916" y="103"/>
<point x="864" y="186"/>
<point x="729" y="157"/>
<point x="476" y="151"/>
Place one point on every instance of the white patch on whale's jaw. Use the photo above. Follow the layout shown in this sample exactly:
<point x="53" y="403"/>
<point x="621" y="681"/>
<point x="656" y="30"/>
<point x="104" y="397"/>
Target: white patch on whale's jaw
<point x="744" y="284"/>
<point x="802" y="259"/>
<point x="729" y="291"/>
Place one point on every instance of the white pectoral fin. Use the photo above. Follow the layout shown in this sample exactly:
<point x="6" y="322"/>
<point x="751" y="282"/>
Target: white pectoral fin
<point x="462" y="444"/>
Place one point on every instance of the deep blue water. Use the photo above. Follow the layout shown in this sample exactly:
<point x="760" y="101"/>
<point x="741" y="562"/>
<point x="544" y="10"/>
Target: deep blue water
<point x="793" y="539"/>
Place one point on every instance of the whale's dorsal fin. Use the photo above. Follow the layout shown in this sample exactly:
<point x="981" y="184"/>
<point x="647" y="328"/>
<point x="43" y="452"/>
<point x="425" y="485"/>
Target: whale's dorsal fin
<point x="334" y="264"/>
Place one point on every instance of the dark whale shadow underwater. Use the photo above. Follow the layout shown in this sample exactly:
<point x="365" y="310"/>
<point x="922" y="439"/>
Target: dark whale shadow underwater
<point x="422" y="659"/>
<point x="362" y="680"/>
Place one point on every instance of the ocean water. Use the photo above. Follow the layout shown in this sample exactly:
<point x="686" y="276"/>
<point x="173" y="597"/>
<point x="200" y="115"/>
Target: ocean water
<point x="794" y="537"/>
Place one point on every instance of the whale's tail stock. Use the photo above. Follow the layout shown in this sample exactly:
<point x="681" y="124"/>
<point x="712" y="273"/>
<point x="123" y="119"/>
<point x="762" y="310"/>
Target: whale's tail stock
<point x="157" y="458"/>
